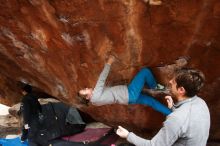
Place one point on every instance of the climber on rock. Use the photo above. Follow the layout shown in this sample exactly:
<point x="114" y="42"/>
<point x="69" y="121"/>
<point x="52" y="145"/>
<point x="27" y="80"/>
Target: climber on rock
<point x="125" y="94"/>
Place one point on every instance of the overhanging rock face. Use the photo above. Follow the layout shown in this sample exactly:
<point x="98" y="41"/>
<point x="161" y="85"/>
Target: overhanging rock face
<point x="60" y="47"/>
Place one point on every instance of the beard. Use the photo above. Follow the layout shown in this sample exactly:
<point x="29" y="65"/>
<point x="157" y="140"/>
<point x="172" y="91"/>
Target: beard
<point x="174" y="97"/>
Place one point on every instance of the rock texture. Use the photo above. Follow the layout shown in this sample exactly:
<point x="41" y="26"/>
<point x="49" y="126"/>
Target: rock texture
<point x="60" y="47"/>
<point x="9" y="125"/>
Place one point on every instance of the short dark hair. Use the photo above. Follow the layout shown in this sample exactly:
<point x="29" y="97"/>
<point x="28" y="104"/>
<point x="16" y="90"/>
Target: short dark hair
<point x="27" y="88"/>
<point x="190" y="79"/>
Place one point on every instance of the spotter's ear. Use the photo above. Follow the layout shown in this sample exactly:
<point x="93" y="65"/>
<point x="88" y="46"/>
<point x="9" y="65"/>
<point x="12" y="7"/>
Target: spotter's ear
<point x="181" y="90"/>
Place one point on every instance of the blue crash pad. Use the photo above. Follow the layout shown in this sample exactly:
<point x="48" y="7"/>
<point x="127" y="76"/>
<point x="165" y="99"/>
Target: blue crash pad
<point x="12" y="142"/>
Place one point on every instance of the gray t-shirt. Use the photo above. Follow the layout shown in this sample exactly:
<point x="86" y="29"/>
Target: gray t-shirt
<point x="187" y="125"/>
<point x="108" y="95"/>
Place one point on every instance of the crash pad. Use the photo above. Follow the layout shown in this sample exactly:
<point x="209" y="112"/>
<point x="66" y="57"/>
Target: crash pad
<point x="12" y="142"/>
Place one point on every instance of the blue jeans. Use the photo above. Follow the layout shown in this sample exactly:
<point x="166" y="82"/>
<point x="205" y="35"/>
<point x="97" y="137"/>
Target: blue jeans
<point x="145" y="77"/>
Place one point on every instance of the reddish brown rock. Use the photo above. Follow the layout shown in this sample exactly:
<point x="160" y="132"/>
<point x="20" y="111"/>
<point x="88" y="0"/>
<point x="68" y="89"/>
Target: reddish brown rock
<point x="60" y="47"/>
